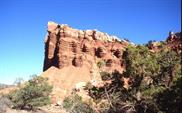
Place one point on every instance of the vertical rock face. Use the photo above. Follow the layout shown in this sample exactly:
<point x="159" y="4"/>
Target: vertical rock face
<point x="65" y="46"/>
<point x="73" y="56"/>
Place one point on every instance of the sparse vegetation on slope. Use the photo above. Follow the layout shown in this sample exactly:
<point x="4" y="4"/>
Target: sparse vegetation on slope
<point x="154" y="80"/>
<point x="75" y="104"/>
<point x="32" y="94"/>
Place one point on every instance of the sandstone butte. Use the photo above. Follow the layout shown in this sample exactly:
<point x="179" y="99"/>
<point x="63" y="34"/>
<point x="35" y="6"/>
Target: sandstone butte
<point x="73" y="56"/>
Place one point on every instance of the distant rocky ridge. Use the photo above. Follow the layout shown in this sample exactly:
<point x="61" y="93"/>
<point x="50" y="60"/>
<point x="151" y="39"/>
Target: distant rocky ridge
<point x="5" y="89"/>
<point x="2" y="86"/>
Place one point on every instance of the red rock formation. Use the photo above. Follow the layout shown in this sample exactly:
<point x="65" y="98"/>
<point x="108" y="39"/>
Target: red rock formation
<point x="174" y="41"/>
<point x="71" y="56"/>
<point x="66" y="46"/>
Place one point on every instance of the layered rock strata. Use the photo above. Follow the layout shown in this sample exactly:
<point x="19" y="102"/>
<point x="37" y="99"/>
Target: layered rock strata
<point x="75" y="56"/>
<point x="66" y="46"/>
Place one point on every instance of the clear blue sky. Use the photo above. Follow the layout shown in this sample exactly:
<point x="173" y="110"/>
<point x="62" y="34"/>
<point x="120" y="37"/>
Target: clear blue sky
<point x="23" y="26"/>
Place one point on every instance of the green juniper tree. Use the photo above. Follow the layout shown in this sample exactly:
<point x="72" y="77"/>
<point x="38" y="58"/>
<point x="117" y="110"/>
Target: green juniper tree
<point x="32" y="94"/>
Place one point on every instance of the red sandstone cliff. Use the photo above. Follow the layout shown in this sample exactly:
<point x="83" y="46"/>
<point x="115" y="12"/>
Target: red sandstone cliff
<point x="73" y="56"/>
<point x="65" y="46"/>
<point x="174" y="41"/>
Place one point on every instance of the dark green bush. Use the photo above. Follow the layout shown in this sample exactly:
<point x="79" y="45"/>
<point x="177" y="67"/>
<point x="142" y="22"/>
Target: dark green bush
<point x="155" y="79"/>
<point x="34" y="93"/>
<point x="105" y="76"/>
<point x="170" y="100"/>
<point x="74" y="104"/>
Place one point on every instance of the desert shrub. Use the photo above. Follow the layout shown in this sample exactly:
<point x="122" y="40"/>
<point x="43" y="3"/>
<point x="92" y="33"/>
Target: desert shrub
<point x="74" y="104"/>
<point x="146" y="106"/>
<point x="101" y="63"/>
<point x="5" y="103"/>
<point x="121" y="100"/>
<point x="96" y="93"/>
<point x="149" y="92"/>
<point x="105" y="76"/>
<point x="140" y="62"/>
<point x="88" y="86"/>
<point x="155" y="83"/>
<point x="111" y="97"/>
<point x="162" y="67"/>
<point x="170" y="100"/>
<point x="103" y="106"/>
<point x="34" y="93"/>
